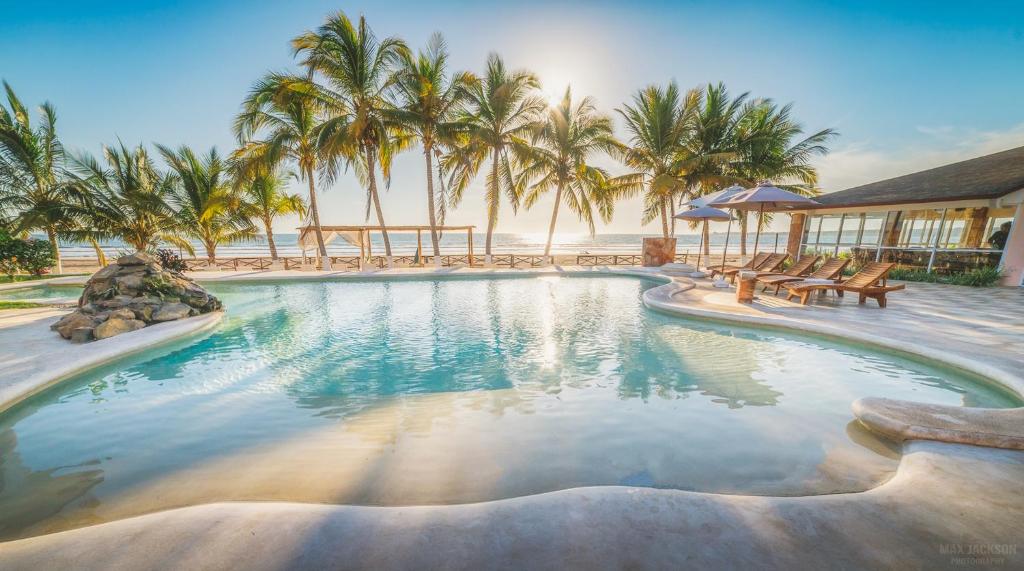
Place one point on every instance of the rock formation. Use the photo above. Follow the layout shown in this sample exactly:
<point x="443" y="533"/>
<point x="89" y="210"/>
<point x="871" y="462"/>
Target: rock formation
<point x="130" y="294"/>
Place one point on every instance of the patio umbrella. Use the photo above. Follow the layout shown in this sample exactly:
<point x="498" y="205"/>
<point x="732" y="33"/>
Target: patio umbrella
<point x="713" y="199"/>
<point x="764" y="197"/>
<point x="704" y="213"/>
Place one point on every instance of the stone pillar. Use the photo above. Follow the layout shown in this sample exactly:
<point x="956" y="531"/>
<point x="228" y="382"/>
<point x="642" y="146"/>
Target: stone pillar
<point x="659" y="251"/>
<point x="1013" y="255"/>
<point x="797" y="221"/>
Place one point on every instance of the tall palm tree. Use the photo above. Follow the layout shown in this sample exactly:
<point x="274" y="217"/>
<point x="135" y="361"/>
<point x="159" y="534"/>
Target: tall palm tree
<point x="34" y="189"/>
<point x="207" y="207"/>
<point x="127" y="199"/>
<point x="712" y="144"/>
<point x="357" y="72"/>
<point x="503" y="108"/>
<point x="279" y="122"/>
<point x="428" y="103"/>
<point x="658" y="122"/>
<point x="558" y="159"/>
<point x="769" y="148"/>
<point x="266" y="198"/>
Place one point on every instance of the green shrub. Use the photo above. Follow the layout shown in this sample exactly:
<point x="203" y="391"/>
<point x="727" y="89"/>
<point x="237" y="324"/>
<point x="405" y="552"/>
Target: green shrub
<point x="30" y="256"/>
<point x="981" y="277"/>
<point x="39" y="257"/>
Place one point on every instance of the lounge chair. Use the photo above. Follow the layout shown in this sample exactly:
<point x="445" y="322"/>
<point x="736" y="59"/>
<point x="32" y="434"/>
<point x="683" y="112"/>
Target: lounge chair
<point x="870" y="281"/>
<point x="770" y="264"/>
<point x="831" y="269"/>
<point x="751" y="264"/>
<point x="800" y="268"/>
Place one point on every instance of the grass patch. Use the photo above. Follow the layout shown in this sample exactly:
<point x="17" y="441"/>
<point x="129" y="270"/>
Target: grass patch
<point x="18" y="304"/>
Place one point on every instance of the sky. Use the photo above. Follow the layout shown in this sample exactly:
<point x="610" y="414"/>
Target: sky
<point x="908" y="85"/>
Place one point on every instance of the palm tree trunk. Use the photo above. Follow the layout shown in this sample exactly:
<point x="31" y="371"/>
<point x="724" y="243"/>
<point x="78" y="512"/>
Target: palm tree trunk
<point x="554" y="217"/>
<point x="52" y="236"/>
<point x="664" y="220"/>
<point x="211" y="251"/>
<point x="492" y="207"/>
<point x="371" y="169"/>
<point x="316" y="215"/>
<point x="427" y="151"/>
<point x="270" y="239"/>
<point x="101" y="258"/>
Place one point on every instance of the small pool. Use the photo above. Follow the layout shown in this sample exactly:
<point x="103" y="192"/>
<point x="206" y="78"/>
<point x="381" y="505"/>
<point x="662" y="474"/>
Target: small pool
<point x="437" y="392"/>
<point x="42" y="292"/>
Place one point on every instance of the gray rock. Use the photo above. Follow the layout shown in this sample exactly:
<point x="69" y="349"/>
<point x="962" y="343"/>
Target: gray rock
<point x="116" y="302"/>
<point x="82" y="335"/>
<point x="105" y="273"/>
<point x="171" y="311"/>
<point x="112" y="327"/>
<point x="137" y="259"/>
<point x="129" y="283"/>
<point x="72" y="321"/>
<point x="123" y="313"/>
<point x="144" y="313"/>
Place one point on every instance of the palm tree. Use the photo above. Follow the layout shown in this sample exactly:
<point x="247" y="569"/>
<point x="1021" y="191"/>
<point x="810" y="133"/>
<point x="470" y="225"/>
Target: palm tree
<point x="765" y="137"/>
<point x="207" y="207"/>
<point x="712" y="144"/>
<point x="358" y="72"/>
<point x="266" y="198"/>
<point x="34" y="189"/>
<point x="558" y="159"/>
<point x="428" y="103"/>
<point x="284" y="116"/>
<point x="658" y="122"/>
<point x="127" y="199"/>
<point x="502" y="110"/>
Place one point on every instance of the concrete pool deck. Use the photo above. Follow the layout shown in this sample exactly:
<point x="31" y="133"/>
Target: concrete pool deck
<point x="949" y="506"/>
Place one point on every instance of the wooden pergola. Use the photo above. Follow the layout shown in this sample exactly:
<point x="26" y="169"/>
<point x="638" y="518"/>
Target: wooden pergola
<point x="365" y="248"/>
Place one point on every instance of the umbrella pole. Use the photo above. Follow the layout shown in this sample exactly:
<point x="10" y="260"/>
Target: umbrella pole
<point x="700" y="249"/>
<point x="757" y="235"/>
<point x="725" y="249"/>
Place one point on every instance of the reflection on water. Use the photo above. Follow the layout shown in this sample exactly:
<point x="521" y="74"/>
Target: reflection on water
<point x="452" y="391"/>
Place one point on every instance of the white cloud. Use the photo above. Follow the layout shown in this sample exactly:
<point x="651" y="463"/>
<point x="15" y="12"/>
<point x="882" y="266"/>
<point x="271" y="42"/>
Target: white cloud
<point x="861" y="163"/>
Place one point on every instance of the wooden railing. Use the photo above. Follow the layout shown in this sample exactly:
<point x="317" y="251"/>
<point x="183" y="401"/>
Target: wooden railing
<point x="351" y="263"/>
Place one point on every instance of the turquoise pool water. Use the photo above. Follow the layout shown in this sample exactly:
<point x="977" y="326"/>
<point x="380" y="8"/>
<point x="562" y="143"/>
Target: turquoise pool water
<point x="42" y="292"/>
<point x="425" y="392"/>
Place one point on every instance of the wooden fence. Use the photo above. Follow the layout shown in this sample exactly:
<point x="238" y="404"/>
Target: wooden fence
<point x="351" y="263"/>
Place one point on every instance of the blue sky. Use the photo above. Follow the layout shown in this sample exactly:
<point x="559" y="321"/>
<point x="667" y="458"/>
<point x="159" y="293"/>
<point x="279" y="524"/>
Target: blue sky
<point x="909" y="85"/>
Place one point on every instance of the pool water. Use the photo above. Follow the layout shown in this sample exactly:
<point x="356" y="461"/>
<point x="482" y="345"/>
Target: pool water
<point x="72" y="292"/>
<point x="433" y="392"/>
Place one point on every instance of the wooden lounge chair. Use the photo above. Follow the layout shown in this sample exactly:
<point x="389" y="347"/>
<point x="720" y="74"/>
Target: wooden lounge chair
<point x="799" y="269"/>
<point x="831" y="269"/>
<point x="751" y="264"/>
<point x="770" y="264"/>
<point x="870" y="281"/>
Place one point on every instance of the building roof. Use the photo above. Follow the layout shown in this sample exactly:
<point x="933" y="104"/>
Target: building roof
<point x="987" y="177"/>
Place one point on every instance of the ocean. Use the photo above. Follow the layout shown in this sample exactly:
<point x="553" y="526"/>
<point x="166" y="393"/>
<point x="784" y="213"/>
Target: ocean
<point x="404" y="243"/>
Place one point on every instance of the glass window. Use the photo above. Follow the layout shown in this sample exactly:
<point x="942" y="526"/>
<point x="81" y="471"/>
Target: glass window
<point x="871" y="228"/>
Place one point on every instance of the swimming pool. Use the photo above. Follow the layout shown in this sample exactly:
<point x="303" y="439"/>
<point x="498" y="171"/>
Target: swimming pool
<point x="42" y="292"/>
<point x="451" y="391"/>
